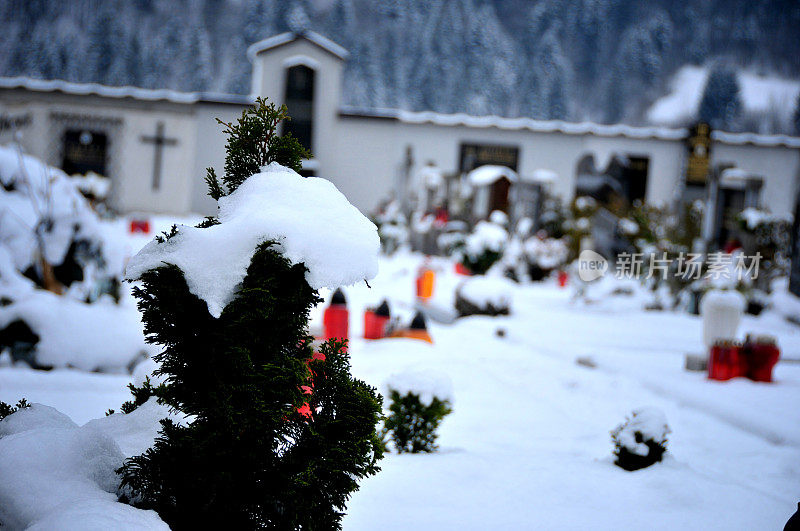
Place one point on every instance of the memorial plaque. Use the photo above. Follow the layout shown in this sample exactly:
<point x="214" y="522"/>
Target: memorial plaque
<point x="84" y="151"/>
<point x="475" y="155"/>
<point x="699" y="145"/>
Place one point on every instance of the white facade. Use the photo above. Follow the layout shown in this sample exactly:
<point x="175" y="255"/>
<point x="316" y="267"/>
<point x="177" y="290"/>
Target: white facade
<point x="363" y="153"/>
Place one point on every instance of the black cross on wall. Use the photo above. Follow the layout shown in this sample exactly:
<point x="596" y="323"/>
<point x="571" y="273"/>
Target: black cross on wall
<point x="159" y="141"/>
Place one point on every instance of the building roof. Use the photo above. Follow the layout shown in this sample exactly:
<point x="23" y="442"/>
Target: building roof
<point x="411" y="117"/>
<point x="136" y="93"/>
<point x="569" y="128"/>
<point x="289" y="37"/>
<point x="753" y="139"/>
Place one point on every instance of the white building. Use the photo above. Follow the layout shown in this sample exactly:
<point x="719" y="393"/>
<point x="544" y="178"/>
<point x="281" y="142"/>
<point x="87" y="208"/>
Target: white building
<point x="154" y="145"/>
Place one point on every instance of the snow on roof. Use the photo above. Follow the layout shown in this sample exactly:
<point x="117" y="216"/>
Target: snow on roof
<point x="489" y="173"/>
<point x="538" y="126"/>
<point x="95" y="89"/>
<point x="735" y="174"/>
<point x="541" y="175"/>
<point x="312" y="222"/>
<point x="543" y="126"/>
<point x="568" y="128"/>
<point x="739" y="139"/>
<point x="285" y="38"/>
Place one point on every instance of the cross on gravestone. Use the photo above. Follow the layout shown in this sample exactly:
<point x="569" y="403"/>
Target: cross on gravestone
<point x="159" y="141"/>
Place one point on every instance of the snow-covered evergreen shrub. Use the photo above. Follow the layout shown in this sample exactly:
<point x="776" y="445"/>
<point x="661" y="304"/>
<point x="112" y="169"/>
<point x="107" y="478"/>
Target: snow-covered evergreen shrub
<point x="543" y="255"/>
<point x="484" y="295"/>
<point x="419" y="401"/>
<point x="278" y="436"/>
<point x="49" y="231"/>
<point x="655" y="232"/>
<point x="484" y="247"/>
<point x="641" y="440"/>
<point x="770" y="236"/>
<point x="452" y="240"/>
<point x="59" y="274"/>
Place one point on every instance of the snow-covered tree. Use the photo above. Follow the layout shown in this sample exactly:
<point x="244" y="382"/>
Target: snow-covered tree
<point x="721" y="105"/>
<point x="279" y="435"/>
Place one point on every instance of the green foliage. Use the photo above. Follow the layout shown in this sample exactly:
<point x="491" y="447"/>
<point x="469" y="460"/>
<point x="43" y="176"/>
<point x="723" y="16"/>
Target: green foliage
<point x="770" y="237"/>
<point x="247" y="456"/>
<point x="214" y="187"/>
<point x="662" y="234"/>
<point x="7" y="409"/>
<point x="167" y="235"/>
<point x="481" y="263"/>
<point x="627" y="458"/>
<point x="411" y="425"/>
<point x="253" y="142"/>
<point x="140" y="395"/>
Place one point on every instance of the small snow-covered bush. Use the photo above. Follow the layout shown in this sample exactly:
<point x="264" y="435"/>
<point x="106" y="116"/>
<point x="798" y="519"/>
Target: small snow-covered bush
<point x="543" y="255"/>
<point x="392" y="227"/>
<point x="484" y="247"/>
<point x="484" y="296"/>
<point x="641" y="440"/>
<point x="453" y="239"/>
<point x="50" y="232"/>
<point x="419" y="402"/>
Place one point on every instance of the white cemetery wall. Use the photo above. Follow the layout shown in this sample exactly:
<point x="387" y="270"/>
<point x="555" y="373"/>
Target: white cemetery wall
<point x="33" y="138"/>
<point x="371" y="152"/>
<point x="15" y="122"/>
<point x="779" y="167"/>
<point x="137" y="190"/>
<point x="130" y="161"/>
<point x="365" y="159"/>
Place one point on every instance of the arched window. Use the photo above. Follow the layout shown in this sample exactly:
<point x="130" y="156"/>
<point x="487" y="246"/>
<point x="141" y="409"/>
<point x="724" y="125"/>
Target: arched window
<point x="299" y="99"/>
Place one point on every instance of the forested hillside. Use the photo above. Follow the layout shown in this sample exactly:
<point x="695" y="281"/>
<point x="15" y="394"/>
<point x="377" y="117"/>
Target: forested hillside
<point x="601" y="60"/>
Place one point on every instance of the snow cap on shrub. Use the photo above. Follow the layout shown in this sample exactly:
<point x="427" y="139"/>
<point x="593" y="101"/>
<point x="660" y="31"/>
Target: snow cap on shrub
<point x="426" y="384"/>
<point x="311" y="220"/>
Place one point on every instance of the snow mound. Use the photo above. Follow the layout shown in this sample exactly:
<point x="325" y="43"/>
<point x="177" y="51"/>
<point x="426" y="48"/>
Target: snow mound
<point x="651" y="425"/>
<point x="426" y="384"/>
<point x="57" y="475"/>
<point x="101" y="336"/>
<point x="487" y="292"/>
<point x="136" y="431"/>
<point x="312" y="222"/>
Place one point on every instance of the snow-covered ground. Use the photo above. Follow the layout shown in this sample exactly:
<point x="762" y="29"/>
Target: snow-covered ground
<point x="528" y="443"/>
